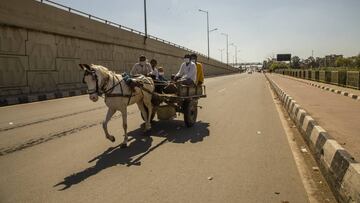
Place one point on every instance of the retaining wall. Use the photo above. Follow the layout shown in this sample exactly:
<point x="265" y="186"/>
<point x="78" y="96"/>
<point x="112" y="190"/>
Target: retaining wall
<point x="41" y="47"/>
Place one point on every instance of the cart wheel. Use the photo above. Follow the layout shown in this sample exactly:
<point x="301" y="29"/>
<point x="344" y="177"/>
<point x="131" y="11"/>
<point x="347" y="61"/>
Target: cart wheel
<point x="190" y="112"/>
<point x="147" y="111"/>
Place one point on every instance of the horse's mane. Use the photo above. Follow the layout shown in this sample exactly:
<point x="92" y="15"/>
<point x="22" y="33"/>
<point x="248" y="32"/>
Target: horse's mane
<point x="102" y="70"/>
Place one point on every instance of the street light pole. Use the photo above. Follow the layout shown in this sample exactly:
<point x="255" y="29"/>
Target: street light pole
<point x="145" y="21"/>
<point x="236" y="55"/>
<point x="227" y="48"/>
<point x="207" y="30"/>
<point x="221" y="51"/>
<point x="232" y="44"/>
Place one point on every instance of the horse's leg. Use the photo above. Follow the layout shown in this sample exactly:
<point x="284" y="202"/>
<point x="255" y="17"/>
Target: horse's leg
<point x="109" y="114"/>
<point x="141" y="106"/>
<point x="148" y="104"/>
<point x="124" y="120"/>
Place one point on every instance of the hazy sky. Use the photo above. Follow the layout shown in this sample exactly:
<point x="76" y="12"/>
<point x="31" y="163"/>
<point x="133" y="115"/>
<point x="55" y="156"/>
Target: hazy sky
<point x="259" y="28"/>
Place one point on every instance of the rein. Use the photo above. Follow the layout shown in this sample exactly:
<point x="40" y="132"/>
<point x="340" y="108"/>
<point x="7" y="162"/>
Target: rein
<point x="99" y="90"/>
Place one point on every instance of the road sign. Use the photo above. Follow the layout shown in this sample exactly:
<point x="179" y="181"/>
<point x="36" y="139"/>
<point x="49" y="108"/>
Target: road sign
<point x="283" y="57"/>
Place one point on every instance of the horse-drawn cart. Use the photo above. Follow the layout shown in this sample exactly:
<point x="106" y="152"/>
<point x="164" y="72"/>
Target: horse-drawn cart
<point x="185" y="101"/>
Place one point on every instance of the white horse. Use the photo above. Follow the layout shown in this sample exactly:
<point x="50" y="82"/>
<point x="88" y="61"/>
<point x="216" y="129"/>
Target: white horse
<point x="118" y="95"/>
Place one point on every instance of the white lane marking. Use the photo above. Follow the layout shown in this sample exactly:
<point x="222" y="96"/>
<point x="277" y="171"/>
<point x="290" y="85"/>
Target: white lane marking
<point x="222" y="90"/>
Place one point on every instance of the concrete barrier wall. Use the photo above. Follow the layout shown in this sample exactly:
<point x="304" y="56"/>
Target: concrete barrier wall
<point x="353" y="79"/>
<point x="338" y="78"/>
<point x="41" y="47"/>
<point x="314" y="75"/>
<point x="322" y="76"/>
<point x="342" y="77"/>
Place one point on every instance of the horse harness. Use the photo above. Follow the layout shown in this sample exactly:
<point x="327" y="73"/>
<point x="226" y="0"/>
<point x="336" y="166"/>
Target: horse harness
<point x="108" y="91"/>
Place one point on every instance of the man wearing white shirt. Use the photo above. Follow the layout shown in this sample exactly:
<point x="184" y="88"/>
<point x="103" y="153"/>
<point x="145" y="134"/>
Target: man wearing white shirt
<point x="154" y="70"/>
<point x="187" y="72"/>
<point x="142" y="67"/>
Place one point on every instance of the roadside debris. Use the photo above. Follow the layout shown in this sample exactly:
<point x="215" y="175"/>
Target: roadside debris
<point x="10" y="123"/>
<point x="210" y="178"/>
<point x="258" y="132"/>
<point x="178" y="128"/>
<point x="303" y="149"/>
<point x="277" y="193"/>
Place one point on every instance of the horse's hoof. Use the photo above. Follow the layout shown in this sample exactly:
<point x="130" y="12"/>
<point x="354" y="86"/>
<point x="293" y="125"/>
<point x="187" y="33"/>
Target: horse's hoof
<point x="111" y="138"/>
<point x="123" y="146"/>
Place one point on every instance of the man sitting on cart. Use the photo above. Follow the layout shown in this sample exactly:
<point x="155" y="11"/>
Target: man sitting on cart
<point x="199" y="70"/>
<point x="187" y="73"/>
<point x="142" y="67"/>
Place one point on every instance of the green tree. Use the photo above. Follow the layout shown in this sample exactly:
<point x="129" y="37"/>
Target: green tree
<point x="357" y="61"/>
<point x="343" y="62"/>
<point x="278" y="65"/>
<point x="295" y="62"/>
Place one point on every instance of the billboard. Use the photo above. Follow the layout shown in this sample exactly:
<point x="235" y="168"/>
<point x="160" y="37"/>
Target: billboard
<point x="283" y="57"/>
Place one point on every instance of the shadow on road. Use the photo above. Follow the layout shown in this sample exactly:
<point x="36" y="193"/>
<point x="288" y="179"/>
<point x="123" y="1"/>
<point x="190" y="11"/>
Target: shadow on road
<point x="172" y="131"/>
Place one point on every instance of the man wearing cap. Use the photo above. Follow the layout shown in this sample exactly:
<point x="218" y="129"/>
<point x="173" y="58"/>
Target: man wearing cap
<point x="187" y="72"/>
<point x="142" y="67"/>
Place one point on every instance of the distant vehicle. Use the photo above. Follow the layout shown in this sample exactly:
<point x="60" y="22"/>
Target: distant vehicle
<point x="249" y="72"/>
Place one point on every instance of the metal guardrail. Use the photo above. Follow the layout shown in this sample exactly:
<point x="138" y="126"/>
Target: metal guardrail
<point x="87" y="15"/>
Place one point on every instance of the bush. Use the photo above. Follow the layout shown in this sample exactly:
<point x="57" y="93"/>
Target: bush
<point x="279" y="65"/>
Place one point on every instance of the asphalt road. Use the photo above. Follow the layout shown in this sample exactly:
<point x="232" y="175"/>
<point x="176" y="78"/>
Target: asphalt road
<point x="56" y="151"/>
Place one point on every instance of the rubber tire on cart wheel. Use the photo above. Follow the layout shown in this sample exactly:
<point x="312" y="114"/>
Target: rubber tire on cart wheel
<point x="190" y="112"/>
<point x="147" y="111"/>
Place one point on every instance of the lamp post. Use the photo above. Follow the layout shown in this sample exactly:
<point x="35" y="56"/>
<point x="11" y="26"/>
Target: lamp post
<point x="236" y="55"/>
<point x="232" y="44"/>
<point x="213" y="30"/>
<point x="227" y="48"/>
<point x="221" y="51"/>
<point x="145" y="21"/>
<point x="208" y="31"/>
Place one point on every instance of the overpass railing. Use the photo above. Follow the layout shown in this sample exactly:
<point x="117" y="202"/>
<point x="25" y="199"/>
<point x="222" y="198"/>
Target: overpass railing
<point x="92" y="17"/>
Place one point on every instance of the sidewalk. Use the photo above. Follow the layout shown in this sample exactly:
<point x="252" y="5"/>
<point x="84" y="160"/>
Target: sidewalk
<point x="338" y="115"/>
<point x="335" y="87"/>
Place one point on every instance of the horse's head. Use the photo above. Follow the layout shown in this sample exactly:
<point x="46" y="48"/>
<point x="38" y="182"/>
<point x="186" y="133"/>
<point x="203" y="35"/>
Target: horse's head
<point x="92" y="79"/>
